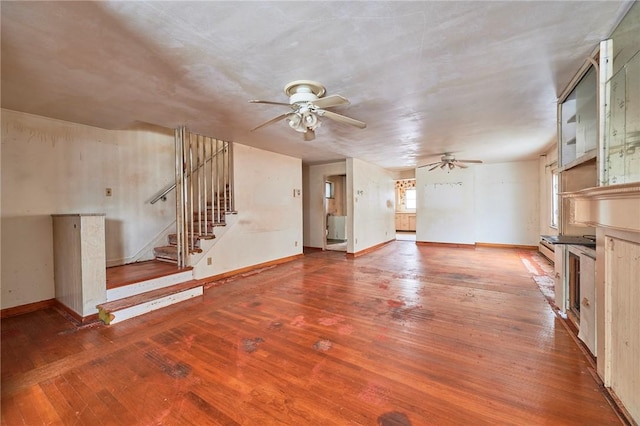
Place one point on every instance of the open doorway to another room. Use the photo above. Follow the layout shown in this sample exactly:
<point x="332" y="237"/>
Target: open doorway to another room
<point x="406" y="210"/>
<point x="335" y="208"/>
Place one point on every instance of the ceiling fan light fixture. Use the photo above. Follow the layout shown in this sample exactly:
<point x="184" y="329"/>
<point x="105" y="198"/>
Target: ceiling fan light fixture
<point x="296" y="122"/>
<point x="311" y="120"/>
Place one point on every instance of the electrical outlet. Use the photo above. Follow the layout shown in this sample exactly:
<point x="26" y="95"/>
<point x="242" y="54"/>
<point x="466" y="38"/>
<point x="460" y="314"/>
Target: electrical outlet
<point x="108" y="192"/>
<point x="297" y="193"/>
<point x="208" y="261"/>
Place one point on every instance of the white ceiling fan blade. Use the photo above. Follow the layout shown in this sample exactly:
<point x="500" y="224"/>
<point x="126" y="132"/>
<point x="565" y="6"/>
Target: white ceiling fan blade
<point x="255" y="101"/>
<point x="443" y="165"/>
<point x="331" y="101"/>
<point x="435" y="167"/>
<point x="309" y="135"/>
<point x="430" y="164"/>
<point x="469" y="161"/>
<point x="459" y="164"/>
<point x="341" y="118"/>
<point x="273" y="120"/>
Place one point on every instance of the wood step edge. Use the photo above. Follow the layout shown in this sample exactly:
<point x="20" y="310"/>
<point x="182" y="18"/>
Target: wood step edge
<point x="138" y="299"/>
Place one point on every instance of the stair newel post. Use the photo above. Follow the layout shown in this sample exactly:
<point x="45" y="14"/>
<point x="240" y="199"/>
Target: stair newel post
<point x="225" y="175"/>
<point x="229" y="197"/>
<point x="198" y="182"/>
<point x="216" y="201"/>
<point x="190" y="218"/>
<point x="179" y="177"/>
<point x="212" y="165"/>
<point x="205" y="190"/>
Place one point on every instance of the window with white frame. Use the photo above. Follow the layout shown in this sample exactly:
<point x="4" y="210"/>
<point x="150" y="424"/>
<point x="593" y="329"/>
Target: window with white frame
<point x="554" y="200"/>
<point x="328" y="189"/>
<point x="410" y="198"/>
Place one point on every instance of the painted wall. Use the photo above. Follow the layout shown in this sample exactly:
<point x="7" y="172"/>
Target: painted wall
<point x="445" y="210"/>
<point x="488" y="203"/>
<point x="370" y="204"/>
<point x="507" y="203"/>
<point x="56" y="167"/>
<point x="269" y="222"/>
<point x="313" y="208"/>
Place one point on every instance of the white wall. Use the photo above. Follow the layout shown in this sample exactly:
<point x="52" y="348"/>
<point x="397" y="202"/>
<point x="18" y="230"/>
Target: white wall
<point x="370" y="205"/>
<point x="488" y="203"/>
<point x="51" y="166"/>
<point x="314" y="221"/>
<point x="445" y="210"/>
<point x="269" y="222"/>
<point x="507" y="203"/>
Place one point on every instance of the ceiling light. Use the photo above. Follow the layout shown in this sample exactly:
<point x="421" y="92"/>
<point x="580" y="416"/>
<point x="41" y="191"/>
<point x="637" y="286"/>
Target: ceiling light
<point x="296" y="122"/>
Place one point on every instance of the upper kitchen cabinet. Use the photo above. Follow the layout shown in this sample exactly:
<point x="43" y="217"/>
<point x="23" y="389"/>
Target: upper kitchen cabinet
<point x="622" y="136"/>
<point x="578" y="120"/>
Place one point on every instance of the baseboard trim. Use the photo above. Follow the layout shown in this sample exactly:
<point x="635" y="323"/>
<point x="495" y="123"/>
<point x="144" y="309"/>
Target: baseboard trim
<point x="512" y="246"/>
<point x="450" y="245"/>
<point x="368" y="250"/>
<point x="74" y="316"/>
<point x="251" y="268"/>
<point x="26" y="309"/>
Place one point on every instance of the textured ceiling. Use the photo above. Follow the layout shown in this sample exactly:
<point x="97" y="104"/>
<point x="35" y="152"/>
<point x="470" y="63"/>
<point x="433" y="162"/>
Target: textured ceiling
<point x="477" y="78"/>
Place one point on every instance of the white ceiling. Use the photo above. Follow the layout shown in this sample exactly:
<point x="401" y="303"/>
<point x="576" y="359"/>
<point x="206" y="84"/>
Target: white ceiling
<point x="478" y="78"/>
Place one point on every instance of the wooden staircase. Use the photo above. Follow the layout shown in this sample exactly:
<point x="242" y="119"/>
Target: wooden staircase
<point x="142" y="287"/>
<point x="204" y="199"/>
<point x="203" y="224"/>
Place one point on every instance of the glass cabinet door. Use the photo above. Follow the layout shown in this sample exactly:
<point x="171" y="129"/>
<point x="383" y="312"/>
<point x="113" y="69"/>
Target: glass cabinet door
<point x="579" y="119"/>
<point x="622" y="144"/>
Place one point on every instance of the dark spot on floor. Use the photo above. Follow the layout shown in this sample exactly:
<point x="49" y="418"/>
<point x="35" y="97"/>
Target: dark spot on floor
<point x="461" y="277"/>
<point x="177" y="370"/>
<point x="275" y="325"/>
<point x="395" y="303"/>
<point x="322" y="345"/>
<point x="251" y="345"/>
<point x="393" y="418"/>
<point x="367" y="270"/>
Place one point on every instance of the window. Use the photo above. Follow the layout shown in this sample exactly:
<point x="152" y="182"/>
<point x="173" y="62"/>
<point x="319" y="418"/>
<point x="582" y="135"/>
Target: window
<point x="554" y="200"/>
<point x="328" y="189"/>
<point x="410" y="198"/>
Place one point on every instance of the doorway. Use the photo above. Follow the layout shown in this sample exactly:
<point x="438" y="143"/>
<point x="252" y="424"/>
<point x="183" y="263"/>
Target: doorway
<point x="406" y="204"/>
<point x="335" y="212"/>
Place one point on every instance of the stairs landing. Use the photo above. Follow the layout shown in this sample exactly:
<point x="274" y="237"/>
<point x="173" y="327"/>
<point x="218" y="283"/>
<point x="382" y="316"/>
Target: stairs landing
<point x="143" y="287"/>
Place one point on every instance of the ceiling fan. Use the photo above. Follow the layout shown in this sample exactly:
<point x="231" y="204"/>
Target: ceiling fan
<point x="307" y="101"/>
<point x="449" y="160"/>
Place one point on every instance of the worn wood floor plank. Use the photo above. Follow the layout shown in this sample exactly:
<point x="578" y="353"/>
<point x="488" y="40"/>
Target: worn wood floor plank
<point x="406" y="335"/>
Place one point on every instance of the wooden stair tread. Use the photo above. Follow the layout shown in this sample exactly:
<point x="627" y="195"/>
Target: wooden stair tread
<point x="138" y="299"/>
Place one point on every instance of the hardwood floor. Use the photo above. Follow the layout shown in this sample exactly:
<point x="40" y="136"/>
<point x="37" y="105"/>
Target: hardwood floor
<point x="406" y="335"/>
<point x="118" y="276"/>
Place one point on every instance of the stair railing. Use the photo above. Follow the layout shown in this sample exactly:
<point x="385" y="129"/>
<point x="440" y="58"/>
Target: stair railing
<point x="204" y="188"/>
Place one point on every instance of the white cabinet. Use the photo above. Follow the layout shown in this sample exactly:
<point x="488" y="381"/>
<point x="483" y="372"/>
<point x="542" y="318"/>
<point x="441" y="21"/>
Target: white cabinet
<point x="578" y="118"/>
<point x="337" y="227"/>
<point x="405" y="221"/>
<point x="559" y="254"/>
<point x="579" y="294"/>
<point x="79" y="262"/>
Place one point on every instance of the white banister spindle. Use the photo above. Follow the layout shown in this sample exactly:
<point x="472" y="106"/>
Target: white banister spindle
<point x="203" y="182"/>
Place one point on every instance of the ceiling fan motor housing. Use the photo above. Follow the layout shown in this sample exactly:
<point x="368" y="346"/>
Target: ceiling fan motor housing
<point x="302" y="91"/>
